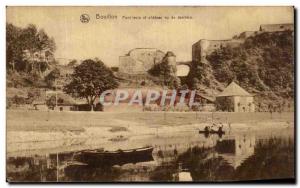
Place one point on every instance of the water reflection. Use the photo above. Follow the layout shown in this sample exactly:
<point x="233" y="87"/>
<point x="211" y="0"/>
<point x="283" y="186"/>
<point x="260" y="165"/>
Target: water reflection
<point x="226" y="158"/>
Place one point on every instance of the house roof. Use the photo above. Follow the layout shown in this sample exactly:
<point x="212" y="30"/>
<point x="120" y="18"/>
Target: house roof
<point x="211" y="99"/>
<point x="234" y="90"/>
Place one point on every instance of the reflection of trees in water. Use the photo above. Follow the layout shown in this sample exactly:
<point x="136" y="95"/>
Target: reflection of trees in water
<point x="273" y="158"/>
<point x="164" y="172"/>
<point x="23" y="169"/>
<point x="88" y="174"/>
<point x="204" y="165"/>
<point x="34" y="174"/>
<point x="213" y="169"/>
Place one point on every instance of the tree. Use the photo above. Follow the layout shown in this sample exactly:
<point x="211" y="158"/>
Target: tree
<point x="283" y="105"/>
<point x="23" y="44"/>
<point x="18" y="100"/>
<point x="166" y="73"/>
<point x="259" y="107"/>
<point x="44" y="42"/>
<point x="197" y="74"/>
<point x="32" y="95"/>
<point x="89" y="80"/>
<point x="52" y="76"/>
<point x="271" y="108"/>
<point x="28" y="37"/>
<point x="13" y="46"/>
<point x="51" y="102"/>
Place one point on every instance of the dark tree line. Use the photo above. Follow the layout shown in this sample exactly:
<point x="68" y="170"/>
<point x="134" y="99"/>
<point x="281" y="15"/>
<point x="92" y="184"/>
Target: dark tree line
<point x="21" y="46"/>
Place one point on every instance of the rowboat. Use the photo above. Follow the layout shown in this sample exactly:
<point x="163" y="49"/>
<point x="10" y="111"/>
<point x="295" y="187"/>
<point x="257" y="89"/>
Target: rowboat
<point x="109" y="158"/>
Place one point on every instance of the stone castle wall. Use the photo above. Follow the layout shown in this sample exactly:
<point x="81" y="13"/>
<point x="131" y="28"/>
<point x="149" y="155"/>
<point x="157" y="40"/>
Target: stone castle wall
<point x="276" y="27"/>
<point x="204" y="47"/>
<point x="140" y="60"/>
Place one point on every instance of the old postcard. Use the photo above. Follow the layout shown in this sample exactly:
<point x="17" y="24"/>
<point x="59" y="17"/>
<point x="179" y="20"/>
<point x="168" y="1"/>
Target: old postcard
<point x="150" y="94"/>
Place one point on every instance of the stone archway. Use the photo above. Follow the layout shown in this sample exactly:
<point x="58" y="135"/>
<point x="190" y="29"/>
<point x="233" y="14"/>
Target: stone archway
<point x="182" y="70"/>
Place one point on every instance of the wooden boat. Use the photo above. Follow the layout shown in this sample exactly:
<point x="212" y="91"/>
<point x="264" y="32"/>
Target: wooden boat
<point x="109" y="158"/>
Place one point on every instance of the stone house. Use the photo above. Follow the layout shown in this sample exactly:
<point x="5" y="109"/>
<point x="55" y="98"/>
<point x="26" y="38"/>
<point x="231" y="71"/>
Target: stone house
<point x="235" y="99"/>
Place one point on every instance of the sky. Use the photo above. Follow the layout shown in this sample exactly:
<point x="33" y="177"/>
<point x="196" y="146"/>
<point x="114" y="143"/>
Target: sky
<point x="107" y="39"/>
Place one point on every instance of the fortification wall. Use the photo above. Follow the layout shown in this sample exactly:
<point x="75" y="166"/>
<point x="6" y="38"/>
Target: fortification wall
<point x="276" y="27"/>
<point x="205" y="47"/>
<point x="140" y="60"/>
<point x="247" y="34"/>
<point x="129" y="65"/>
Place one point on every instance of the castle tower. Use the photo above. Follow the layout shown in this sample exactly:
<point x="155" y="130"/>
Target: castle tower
<point x="170" y="59"/>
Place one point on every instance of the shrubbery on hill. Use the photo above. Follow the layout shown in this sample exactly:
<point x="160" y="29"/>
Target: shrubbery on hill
<point x="166" y="74"/>
<point x="263" y="62"/>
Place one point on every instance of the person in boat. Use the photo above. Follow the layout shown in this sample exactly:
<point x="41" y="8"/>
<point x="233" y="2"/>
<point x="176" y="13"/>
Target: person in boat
<point x="214" y="127"/>
<point x="207" y="129"/>
<point x="220" y="129"/>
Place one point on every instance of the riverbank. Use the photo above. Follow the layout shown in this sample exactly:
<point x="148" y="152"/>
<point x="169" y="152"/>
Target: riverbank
<point x="57" y="121"/>
<point x="30" y="132"/>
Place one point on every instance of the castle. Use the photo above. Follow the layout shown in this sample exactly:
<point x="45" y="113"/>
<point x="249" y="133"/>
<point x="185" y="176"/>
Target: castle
<point x="204" y="47"/>
<point x="276" y="27"/>
<point x="140" y="60"/>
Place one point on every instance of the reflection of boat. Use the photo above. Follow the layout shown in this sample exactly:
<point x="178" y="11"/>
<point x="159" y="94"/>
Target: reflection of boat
<point x="182" y="174"/>
<point x="220" y="132"/>
<point x="109" y="158"/>
<point x="214" y="128"/>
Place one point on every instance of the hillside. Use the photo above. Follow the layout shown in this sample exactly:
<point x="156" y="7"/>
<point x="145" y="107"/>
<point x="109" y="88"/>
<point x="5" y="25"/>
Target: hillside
<point x="263" y="64"/>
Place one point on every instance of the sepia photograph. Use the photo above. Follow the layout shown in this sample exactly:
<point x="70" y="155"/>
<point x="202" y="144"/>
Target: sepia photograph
<point x="202" y="94"/>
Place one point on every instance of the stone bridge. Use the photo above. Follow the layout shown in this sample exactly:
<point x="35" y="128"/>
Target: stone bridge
<point x="188" y="63"/>
<point x="183" y="68"/>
